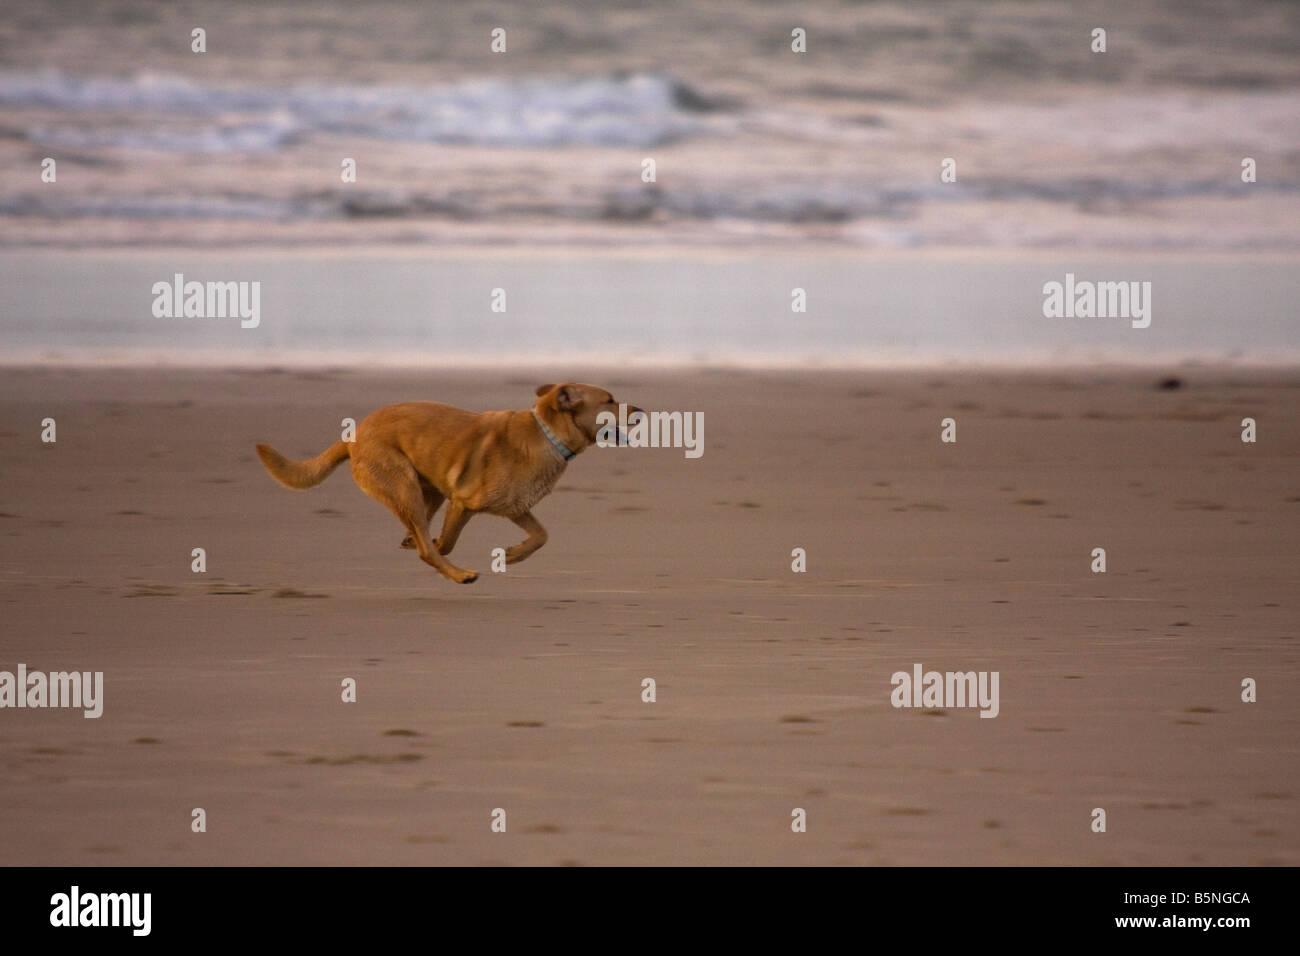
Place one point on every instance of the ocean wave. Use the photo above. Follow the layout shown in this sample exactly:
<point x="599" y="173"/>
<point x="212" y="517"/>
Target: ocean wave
<point x="745" y="201"/>
<point x="637" y="109"/>
<point x="141" y="207"/>
<point x="253" y="137"/>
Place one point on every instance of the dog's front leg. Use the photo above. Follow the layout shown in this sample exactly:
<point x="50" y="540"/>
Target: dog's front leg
<point x="536" y="538"/>
<point x="452" y="525"/>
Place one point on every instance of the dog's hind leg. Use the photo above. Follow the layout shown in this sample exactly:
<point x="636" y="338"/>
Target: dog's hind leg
<point x="453" y="523"/>
<point x="433" y="499"/>
<point x="536" y="538"/>
<point x="388" y="477"/>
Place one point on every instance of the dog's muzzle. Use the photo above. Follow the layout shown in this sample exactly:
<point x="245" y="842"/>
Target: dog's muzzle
<point x="634" y="415"/>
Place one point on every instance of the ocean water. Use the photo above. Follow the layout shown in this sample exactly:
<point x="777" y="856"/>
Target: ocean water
<point x="628" y="110"/>
<point x="538" y="159"/>
<point x="1056" y="148"/>
<point x="612" y="309"/>
<point x="530" y="171"/>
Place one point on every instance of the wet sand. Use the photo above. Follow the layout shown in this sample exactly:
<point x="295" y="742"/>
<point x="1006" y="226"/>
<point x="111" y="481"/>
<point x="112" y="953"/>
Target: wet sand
<point x="523" y="691"/>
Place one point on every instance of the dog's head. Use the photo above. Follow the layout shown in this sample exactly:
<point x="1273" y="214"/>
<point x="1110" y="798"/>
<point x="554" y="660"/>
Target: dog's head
<point x="572" y="410"/>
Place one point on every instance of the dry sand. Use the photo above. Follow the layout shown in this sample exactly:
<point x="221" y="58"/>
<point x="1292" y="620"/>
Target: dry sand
<point x="523" y="691"/>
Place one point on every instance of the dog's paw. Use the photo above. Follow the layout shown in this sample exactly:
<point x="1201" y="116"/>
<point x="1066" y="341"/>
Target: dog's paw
<point x="408" y="542"/>
<point x="469" y="578"/>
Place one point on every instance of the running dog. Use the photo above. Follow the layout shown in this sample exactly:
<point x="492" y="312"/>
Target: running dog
<point x="413" y="456"/>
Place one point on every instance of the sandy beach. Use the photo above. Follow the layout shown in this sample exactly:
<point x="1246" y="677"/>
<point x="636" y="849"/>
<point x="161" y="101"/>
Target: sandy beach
<point x="523" y="691"/>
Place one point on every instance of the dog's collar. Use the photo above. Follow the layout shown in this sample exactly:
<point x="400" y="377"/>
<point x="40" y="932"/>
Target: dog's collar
<point x="560" y="447"/>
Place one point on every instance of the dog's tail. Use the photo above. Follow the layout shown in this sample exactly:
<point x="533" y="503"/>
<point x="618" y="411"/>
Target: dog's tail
<point x="302" y="474"/>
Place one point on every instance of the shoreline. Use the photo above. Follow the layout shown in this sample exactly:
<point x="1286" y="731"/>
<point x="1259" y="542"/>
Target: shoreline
<point x="400" y="362"/>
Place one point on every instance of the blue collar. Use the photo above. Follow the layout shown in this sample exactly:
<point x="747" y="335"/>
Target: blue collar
<point x="558" y="445"/>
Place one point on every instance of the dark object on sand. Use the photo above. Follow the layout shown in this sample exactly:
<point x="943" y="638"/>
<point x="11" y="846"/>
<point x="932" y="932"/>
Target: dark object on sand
<point x="1169" y="384"/>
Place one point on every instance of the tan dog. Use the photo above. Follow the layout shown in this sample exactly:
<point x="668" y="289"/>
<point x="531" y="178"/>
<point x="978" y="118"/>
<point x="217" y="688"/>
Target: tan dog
<point x="414" y="456"/>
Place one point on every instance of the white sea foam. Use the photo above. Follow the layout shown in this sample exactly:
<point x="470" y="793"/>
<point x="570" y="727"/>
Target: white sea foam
<point x="632" y="110"/>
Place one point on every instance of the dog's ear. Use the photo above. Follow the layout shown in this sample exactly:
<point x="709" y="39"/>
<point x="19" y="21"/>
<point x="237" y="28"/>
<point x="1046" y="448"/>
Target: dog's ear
<point x="542" y="390"/>
<point x="568" y="398"/>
